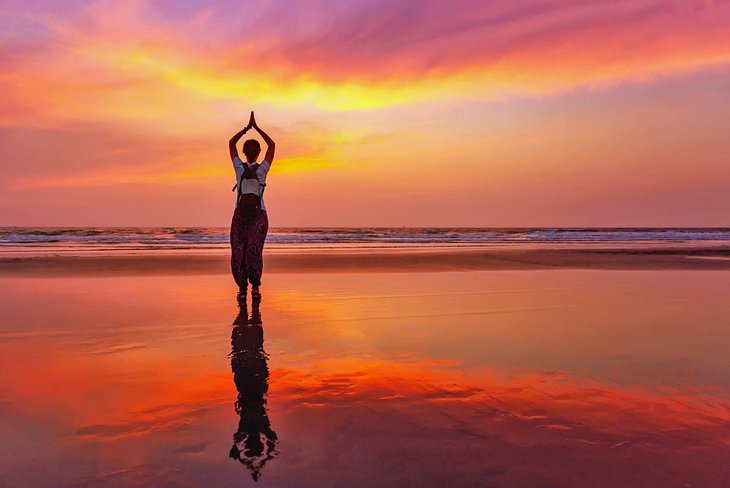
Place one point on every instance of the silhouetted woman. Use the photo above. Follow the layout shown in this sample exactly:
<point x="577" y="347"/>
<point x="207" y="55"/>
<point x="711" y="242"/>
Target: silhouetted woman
<point x="254" y="442"/>
<point x="250" y="221"/>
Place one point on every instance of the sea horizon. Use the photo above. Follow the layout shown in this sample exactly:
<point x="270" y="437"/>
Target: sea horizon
<point x="19" y="241"/>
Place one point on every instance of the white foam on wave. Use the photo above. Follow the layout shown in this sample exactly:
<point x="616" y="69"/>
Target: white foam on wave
<point x="167" y="238"/>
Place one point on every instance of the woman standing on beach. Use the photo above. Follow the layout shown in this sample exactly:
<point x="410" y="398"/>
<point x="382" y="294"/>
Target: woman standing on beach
<point x="250" y="221"/>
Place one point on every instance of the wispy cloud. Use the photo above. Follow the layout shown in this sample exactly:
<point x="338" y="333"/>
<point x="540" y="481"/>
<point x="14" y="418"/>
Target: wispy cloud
<point x="368" y="55"/>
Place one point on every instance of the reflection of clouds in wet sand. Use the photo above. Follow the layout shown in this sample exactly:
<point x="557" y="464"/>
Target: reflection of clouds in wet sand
<point x="254" y="443"/>
<point x="544" y="399"/>
<point x="570" y="379"/>
<point x="375" y="416"/>
<point x="151" y="420"/>
<point x="528" y="426"/>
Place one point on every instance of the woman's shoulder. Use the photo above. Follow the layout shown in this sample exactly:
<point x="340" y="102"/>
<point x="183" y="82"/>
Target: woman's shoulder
<point x="237" y="163"/>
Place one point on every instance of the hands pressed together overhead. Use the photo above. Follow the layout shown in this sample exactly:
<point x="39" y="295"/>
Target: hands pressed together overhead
<point x="251" y="122"/>
<point x="252" y="125"/>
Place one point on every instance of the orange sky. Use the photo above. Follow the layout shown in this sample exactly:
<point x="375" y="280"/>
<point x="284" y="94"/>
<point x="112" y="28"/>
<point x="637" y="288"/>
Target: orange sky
<point x="530" y="113"/>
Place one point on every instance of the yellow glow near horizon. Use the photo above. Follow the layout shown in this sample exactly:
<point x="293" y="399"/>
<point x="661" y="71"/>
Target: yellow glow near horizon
<point x="525" y="76"/>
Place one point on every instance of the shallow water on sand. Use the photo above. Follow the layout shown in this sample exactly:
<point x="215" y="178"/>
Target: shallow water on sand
<point x="507" y="378"/>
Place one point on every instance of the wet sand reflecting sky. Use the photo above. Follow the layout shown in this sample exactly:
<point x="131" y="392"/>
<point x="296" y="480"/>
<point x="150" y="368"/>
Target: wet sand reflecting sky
<point x="541" y="378"/>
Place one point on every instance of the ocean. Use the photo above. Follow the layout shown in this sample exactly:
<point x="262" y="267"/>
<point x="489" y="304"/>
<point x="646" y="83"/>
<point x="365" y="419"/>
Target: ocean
<point x="23" y="241"/>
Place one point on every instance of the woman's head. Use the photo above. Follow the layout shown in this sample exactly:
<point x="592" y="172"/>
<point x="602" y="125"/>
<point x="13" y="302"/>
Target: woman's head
<point x="251" y="148"/>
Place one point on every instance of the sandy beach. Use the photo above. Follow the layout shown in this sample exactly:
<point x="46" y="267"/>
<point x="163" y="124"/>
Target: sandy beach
<point x="697" y="258"/>
<point x="368" y="370"/>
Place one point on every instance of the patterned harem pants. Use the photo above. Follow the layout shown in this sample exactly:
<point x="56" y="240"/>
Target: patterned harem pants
<point x="248" y="233"/>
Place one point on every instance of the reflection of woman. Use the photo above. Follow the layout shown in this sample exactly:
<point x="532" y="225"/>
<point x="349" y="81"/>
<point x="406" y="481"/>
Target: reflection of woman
<point x="250" y="221"/>
<point x="254" y="443"/>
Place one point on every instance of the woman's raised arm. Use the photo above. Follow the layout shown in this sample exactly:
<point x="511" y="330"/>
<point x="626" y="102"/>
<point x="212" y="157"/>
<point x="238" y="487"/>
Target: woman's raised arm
<point x="234" y="140"/>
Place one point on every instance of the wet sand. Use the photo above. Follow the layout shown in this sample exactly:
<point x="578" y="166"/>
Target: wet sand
<point x="456" y="377"/>
<point x="707" y="258"/>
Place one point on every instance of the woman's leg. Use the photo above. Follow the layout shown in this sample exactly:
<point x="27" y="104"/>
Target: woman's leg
<point x="256" y="236"/>
<point x="238" y="249"/>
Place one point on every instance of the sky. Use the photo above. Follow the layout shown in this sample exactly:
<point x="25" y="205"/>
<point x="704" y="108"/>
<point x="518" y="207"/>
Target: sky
<point x="505" y="113"/>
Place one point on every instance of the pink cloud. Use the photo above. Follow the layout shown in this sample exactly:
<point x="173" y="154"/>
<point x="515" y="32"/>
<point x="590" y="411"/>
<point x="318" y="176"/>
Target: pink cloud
<point x="405" y="40"/>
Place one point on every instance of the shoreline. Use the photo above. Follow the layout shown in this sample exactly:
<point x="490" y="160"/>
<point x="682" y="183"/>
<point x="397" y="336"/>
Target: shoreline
<point x="699" y="258"/>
